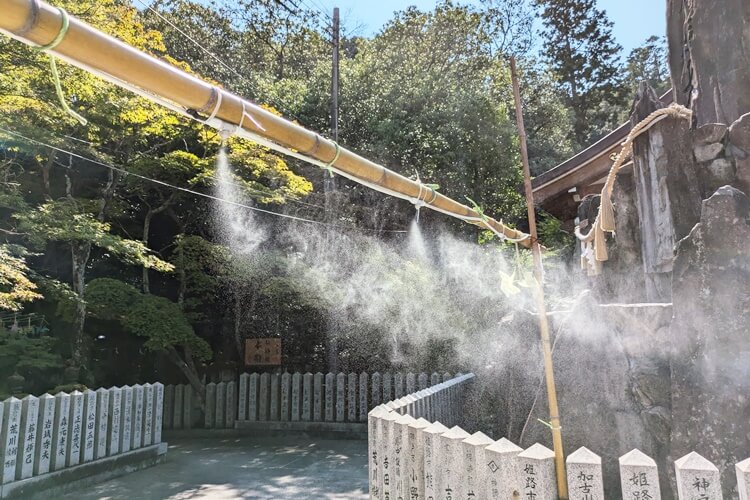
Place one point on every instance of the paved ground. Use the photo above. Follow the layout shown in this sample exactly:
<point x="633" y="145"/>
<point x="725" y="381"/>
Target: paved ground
<point x="245" y="467"/>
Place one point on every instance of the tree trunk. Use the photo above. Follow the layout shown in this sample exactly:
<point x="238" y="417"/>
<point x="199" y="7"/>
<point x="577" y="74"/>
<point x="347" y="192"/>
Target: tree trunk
<point x="79" y="258"/>
<point x="45" y="174"/>
<point x="146" y="230"/>
<point x="190" y="372"/>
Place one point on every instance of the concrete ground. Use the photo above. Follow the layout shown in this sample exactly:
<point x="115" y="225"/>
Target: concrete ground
<point x="246" y="467"/>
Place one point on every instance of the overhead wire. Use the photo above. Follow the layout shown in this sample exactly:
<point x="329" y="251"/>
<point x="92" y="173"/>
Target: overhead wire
<point x="190" y="191"/>
<point x="207" y="51"/>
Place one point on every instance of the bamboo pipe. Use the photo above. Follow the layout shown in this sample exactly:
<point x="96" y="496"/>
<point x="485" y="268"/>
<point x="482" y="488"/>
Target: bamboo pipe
<point x="549" y="371"/>
<point x="36" y="23"/>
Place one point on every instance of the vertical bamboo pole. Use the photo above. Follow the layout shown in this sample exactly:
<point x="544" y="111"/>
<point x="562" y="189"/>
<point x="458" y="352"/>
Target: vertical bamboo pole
<point x="549" y="374"/>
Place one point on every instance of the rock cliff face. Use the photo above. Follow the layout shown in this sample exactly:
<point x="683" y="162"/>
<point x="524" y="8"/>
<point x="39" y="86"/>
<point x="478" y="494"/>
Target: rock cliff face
<point x="709" y="50"/>
<point x="670" y="383"/>
<point x="710" y="336"/>
<point x="612" y="376"/>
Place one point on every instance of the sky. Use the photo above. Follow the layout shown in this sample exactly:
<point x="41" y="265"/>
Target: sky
<point x="634" y="20"/>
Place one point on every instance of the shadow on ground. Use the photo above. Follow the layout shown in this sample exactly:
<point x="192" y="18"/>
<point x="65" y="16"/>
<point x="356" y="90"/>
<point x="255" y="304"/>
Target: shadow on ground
<point x="246" y="467"/>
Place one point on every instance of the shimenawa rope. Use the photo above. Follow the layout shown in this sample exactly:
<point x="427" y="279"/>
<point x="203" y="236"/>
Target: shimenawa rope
<point x="594" y="243"/>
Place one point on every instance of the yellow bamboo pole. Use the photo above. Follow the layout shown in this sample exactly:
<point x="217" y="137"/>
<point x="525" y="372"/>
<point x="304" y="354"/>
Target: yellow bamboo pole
<point x="549" y="373"/>
<point x="37" y="23"/>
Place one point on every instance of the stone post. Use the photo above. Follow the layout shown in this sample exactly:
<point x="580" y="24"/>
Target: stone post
<point x="376" y="389"/>
<point x="169" y="407"/>
<point x="252" y="406"/>
<point x="447" y="376"/>
<point x="352" y="397"/>
<point x="231" y="405"/>
<point x="190" y="408"/>
<point x="697" y="478"/>
<point x="414" y="452"/>
<point x="500" y="470"/>
<point x="318" y="397"/>
<point x="387" y="387"/>
<point x="423" y="381"/>
<point x="536" y="468"/>
<point x="210" y="416"/>
<point x="639" y="476"/>
<point x="363" y="397"/>
<point x="127" y="419"/>
<point x="242" y="398"/>
<point x="43" y="454"/>
<point x="75" y="443"/>
<point x="136" y="438"/>
<point x="434" y="379"/>
<point x="158" y="411"/>
<point x="475" y="464"/>
<point x="584" y="469"/>
<point x="265" y="381"/>
<point x="60" y="431"/>
<point x="340" y="397"/>
<point x="286" y="389"/>
<point x="450" y="459"/>
<point x="89" y="425"/>
<point x="307" y="396"/>
<point x="10" y="437"/>
<point x="29" y="431"/>
<point x="275" y="396"/>
<point x="398" y="385"/>
<point x="401" y="461"/>
<point x="411" y="383"/>
<point x="296" y="393"/>
<point x="374" y="457"/>
<point x="743" y="479"/>
<point x="329" y="386"/>
<point x="179" y="395"/>
<point x="148" y="414"/>
<point x="432" y="470"/>
<point x="221" y="402"/>
<point x="102" y="423"/>
<point x="386" y="450"/>
<point x="114" y="424"/>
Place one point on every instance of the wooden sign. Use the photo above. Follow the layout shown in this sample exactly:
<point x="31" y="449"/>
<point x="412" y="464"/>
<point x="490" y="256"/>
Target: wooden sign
<point x="263" y="352"/>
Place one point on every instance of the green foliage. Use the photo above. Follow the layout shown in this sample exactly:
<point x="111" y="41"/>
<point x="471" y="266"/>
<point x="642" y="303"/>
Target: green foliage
<point x="15" y="286"/>
<point x="649" y="63"/>
<point x="582" y="52"/>
<point x="35" y="358"/>
<point x="158" y="319"/>
<point x="65" y="221"/>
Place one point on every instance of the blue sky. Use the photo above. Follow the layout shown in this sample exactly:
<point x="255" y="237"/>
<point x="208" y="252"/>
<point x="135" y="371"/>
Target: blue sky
<point x="634" y="20"/>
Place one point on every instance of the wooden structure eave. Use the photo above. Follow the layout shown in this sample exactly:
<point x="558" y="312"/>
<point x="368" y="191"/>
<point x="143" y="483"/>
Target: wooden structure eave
<point x="559" y="189"/>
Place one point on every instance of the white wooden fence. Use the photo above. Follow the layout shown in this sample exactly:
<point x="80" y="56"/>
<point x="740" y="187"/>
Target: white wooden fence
<point x="275" y="397"/>
<point x="416" y="452"/>
<point x="49" y="433"/>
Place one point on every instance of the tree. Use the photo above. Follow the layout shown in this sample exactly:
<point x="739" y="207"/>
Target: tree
<point x="15" y="286"/>
<point x="157" y="319"/>
<point x="649" y="63"/>
<point x="68" y="222"/>
<point x="584" y="57"/>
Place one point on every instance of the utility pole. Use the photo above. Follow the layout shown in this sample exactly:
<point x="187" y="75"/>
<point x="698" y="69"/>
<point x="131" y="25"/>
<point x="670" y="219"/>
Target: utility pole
<point x="329" y="183"/>
<point x="335" y="77"/>
<point x="549" y="374"/>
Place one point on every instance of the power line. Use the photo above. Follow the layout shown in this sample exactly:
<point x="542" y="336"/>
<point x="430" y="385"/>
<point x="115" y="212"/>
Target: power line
<point x="208" y="52"/>
<point x="190" y="191"/>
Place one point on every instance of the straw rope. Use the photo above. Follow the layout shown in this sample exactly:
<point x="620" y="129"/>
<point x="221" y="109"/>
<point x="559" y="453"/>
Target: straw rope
<point x="594" y="243"/>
